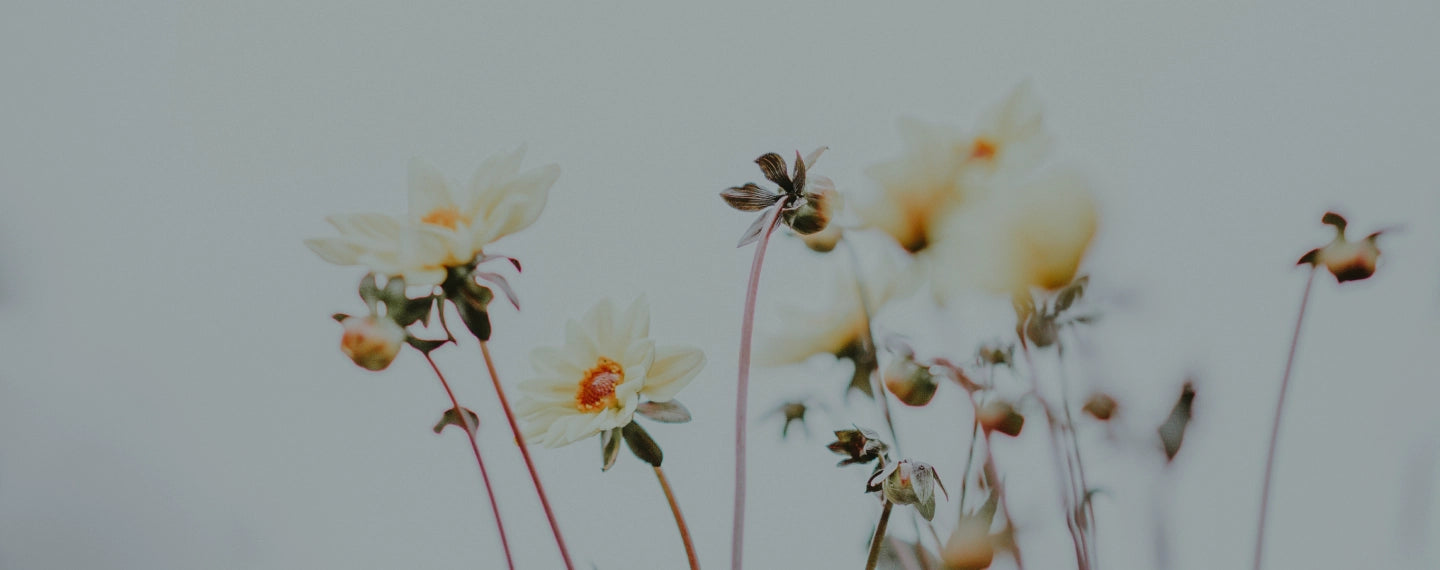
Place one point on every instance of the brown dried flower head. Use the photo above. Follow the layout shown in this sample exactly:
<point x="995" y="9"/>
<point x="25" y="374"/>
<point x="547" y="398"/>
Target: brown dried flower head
<point x="859" y="445"/>
<point x="808" y="203"/>
<point x="1346" y="260"/>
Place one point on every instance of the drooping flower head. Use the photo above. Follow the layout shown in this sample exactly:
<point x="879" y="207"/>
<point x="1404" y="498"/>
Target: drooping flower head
<point x="596" y="380"/>
<point x="447" y="226"/>
<point x="910" y="482"/>
<point x="1346" y="260"/>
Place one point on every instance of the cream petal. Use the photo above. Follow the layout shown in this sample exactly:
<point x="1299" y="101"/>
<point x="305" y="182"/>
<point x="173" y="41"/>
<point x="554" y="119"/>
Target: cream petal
<point x="579" y="343"/>
<point x="558" y="361"/>
<point x="551" y="389"/>
<point x="635" y="322"/>
<point x="600" y="325"/>
<point x="673" y="369"/>
<point x="494" y="170"/>
<point x="814" y="156"/>
<point x="428" y="189"/>
<point x="533" y="191"/>
<point x="339" y="251"/>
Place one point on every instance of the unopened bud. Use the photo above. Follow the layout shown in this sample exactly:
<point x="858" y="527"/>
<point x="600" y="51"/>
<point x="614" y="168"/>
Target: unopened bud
<point x="970" y="547"/>
<point x="910" y="382"/>
<point x="1346" y="260"/>
<point x="371" y="342"/>
<point x="824" y="240"/>
<point x="910" y="482"/>
<point x="1100" y="406"/>
<point x="814" y="213"/>
<point x="1000" y="416"/>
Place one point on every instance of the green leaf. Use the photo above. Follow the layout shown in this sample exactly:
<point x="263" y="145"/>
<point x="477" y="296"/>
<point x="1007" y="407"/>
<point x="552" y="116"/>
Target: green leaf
<point x="609" y="448"/>
<point x="425" y="345"/>
<point x="672" y="412"/>
<point x="369" y="292"/>
<point x="473" y="303"/>
<point x="411" y="310"/>
<point x="394" y="294"/>
<point x="450" y="418"/>
<point x="641" y="444"/>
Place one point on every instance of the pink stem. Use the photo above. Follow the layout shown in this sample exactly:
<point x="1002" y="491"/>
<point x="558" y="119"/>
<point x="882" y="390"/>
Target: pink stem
<point x="1275" y="428"/>
<point x="475" y="447"/>
<point x="525" y="452"/>
<point x="747" y="331"/>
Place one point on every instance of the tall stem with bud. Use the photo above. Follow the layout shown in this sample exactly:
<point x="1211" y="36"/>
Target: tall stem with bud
<point x="1275" y="427"/>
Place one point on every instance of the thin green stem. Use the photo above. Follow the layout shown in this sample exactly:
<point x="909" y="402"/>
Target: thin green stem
<point x="879" y="537"/>
<point x="1275" y="427"/>
<point x="475" y="447"/>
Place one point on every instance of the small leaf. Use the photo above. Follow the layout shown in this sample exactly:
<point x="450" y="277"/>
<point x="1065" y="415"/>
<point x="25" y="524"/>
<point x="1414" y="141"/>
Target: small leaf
<point x="450" y="418"/>
<point x="609" y="448"/>
<point x="1172" y="432"/>
<point x="749" y="198"/>
<point x="499" y="280"/>
<point x="473" y="303"/>
<point x="672" y="412"/>
<point x="1311" y="257"/>
<point x="773" y="166"/>
<point x="411" y="310"/>
<point x="394" y="293"/>
<point x="753" y="232"/>
<point x="339" y="317"/>
<point x="641" y="444"/>
<point x="369" y="292"/>
<point x="1334" y="219"/>
<point x="425" y="345"/>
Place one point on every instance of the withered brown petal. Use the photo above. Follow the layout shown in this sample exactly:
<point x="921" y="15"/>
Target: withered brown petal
<point x="749" y="198"/>
<point x="774" y="168"/>
<point x="1311" y="257"/>
<point x="799" y="178"/>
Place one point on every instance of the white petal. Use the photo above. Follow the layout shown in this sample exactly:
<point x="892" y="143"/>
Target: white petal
<point x="495" y="170"/>
<point x="428" y="189"/>
<point x="674" y="367"/>
<point x="636" y="321"/>
<point x="814" y="156"/>
<point x="339" y="251"/>
<point x="558" y="361"/>
<point x="381" y="227"/>
<point x="532" y="191"/>
<point x="579" y="343"/>
<point x="600" y="326"/>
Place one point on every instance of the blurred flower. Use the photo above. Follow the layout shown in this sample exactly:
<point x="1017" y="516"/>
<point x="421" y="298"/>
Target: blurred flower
<point x="443" y="229"/>
<point x="832" y="202"/>
<point x="1346" y="260"/>
<point x="594" y="382"/>
<point x="999" y="415"/>
<point x="909" y="482"/>
<point x="942" y="168"/>
<point x="1100" y="406"/>
<point x="792" y="412"/>
<point x="859" y="445"/>
<point x="910" y="382"/>
<point x="970" y="546"/>
<point x="371" y="341"/>
<point x="810" y="201"/>
<point x="1032" y="235"/>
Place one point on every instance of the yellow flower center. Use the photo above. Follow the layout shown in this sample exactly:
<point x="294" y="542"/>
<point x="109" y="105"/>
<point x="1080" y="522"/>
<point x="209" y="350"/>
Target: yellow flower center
<point x="983" y="149"/>
<point x="448" y="217"/>
<point x="597" y="388"/>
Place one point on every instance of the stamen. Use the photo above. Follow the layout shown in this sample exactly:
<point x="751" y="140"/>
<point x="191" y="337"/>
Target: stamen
<point x="597" y="389"/>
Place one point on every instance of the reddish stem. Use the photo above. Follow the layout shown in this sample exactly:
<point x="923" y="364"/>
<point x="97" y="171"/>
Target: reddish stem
<point x="742" y="387"/>
<point x="1275" y="428"/>
<point x="475" y="447"/>
<point x="1065" y="478"/>
<point x="679" y="519"/>
<point x="525" y="452"/>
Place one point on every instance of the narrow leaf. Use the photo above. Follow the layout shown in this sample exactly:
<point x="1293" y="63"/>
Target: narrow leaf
<point x="339" y="317"/>
<point x="749" y="198"/>
<point x="450" y="418"/>
<point x="753" y="232"/>
<point x="504" y="285"/>
<point x="493" y="256"/>
<point x="369" y="292"/>
<point x="609" y="448"/>
<point x="641" y="444"/>
<point x="1311" y="257"/>
<point x="425" y="345"/>
<point x="672" y="412"/>
<point x="773" y="166"/>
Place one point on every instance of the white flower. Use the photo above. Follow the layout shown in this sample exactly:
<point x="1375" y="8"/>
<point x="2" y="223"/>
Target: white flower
<point x="943" y="168"/>
<point x="837" y="327"/>
<point x="443" y="229"/>
<point x="595" y="381"/>
<point x="1032" y="235"/>
<point x="372" y="342"/>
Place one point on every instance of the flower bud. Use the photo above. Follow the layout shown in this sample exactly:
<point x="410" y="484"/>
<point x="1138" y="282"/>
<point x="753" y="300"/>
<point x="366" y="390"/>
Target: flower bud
<point x="970" y="547"/>
<point x="1000" y="416"/>
<point x="859" y="445"/>
<point x="371" y="342"/>
<point x="814" y="213"/>
<point x="910" y="482"/>
<point x="1100" y="406"/>
<point x="910" y="382"/>
<point x="1346" y="260"/>
<point x="824" y="240"/>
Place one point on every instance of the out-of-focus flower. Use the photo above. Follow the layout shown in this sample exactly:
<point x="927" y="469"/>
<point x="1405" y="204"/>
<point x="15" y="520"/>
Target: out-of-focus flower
<point x="443" y="229"/>
<point x="970" y="546"/>
<point x="999" y="415"/>
<point x="910" y="482"/>
<point x="1346" y="260"/>
<point x="831" y="202"/>
<point x="1100" y="406"/>
<point x="942" y="168"/>
<point x="858" y="445"/>
<point x="1032" y="235"/>
<point x="595" y="381"/>
<point x="809" y="201"/>
<point x="792" y="412"/>
<point x="371" y="341"/>
<point x="909" y="381"/>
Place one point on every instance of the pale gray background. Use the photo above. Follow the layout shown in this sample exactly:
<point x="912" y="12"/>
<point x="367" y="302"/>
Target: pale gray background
<point x="171" y="394"/>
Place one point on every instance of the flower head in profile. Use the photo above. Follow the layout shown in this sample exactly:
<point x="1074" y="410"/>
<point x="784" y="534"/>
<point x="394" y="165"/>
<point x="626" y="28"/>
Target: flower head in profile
<point x="910" y="482"/>
<point x="807" y="202"/>
<point x="1346" y="260"/>
<point x="596" y="380"/>
<point x="943" y="168"/>
<point x="447" y="225"/>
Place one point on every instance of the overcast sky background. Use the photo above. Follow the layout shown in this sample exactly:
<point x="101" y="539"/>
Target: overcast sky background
<point x="172" y="395"/>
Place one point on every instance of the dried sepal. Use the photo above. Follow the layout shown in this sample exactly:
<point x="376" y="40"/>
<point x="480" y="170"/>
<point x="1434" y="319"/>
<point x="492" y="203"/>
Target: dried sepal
<point x="1334" y="219"/>
<point x="499" y="281"/>
<point x="450" y="418"/>
<point x="609" y="448"/>
<point x="859" y="445"/>
<point x="798" y="180"/>
<point x="753" y="232"/>
<point x="773" y="166"/>
<point x="1071" y="293"/>
<point x="749" y="198"/>
<point x="671" y="412"/>
<point x="911" y="383"/>
<point x="641" y="444"/>
<point x="1001" y="416"/>
<point x="1100" y="406"/>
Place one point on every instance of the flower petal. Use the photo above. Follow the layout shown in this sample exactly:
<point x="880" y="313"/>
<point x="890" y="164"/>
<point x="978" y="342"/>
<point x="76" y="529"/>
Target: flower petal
<point x="749" y="198"/>
<point x="496" y="169"/>
<point x="428" y="189"/>
<point x="339" y="251"/>
<point x="635" y="322"/>
<point x="674" y="367"/>
<point x="773" y="166"/>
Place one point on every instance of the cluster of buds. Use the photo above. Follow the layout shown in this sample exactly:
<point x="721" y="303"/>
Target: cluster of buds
<point x="1346" y="260"/>
<point x="374" y="340"/>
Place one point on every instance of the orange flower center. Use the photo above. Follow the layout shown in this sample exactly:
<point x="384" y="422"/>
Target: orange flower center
<point x="983" y="149"/>
<point x="447" y="217"/>
<point x="597" y="388"/>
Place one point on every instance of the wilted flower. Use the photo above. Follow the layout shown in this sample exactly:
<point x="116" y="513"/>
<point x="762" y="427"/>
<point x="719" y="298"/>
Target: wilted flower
<point x="909" y="482"/>
<point x="942" y="168"/>
<point x="371" y="341"/>
<point x="1100" y="406"/>
<point x="859" y="445"/>
<point x="999" y="415"/>
<point x="910" y="382"/>
<point x="810" y="201"/>
<point x="1346" y="260"/>
<point x="443" y="229"/>
<point x="595" y="381"/>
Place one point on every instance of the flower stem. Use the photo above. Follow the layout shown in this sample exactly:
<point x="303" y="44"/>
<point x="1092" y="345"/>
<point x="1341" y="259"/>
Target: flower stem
<point x="525" y="452"/>
<point x="475" y="447"/>
<point x="742" y="387"/>
<point x="991" y="474"/>
<point x="1275" y="428"/>
<point x="1066" y="479"/>
<point x="868" y="338"/>
<point x="679" y="519"/>
<point x="879" y="537"/>
<point x="1086" y="509"/>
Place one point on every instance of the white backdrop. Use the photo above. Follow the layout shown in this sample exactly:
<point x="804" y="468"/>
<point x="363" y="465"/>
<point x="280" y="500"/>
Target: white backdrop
<point x="172" y="396"/>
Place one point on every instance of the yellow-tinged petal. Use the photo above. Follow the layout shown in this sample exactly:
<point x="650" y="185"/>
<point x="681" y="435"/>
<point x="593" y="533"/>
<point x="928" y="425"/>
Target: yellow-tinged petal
<point x="673" y="369"/>
<point x="430" y="194"/>
<point x="339" y="251"/>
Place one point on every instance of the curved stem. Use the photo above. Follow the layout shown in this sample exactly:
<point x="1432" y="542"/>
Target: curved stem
<point x="475" y="447"/>
<point x="525" y="452"/>
<point x="679" y="519"/>
<point x="1275" y="427"/>
<point x="991" y="474"/>
<point x="1065" y="478"/>
<point x="742" y="388"/>
<point x="879" y="537"/>
<point x="868" y="338"/>
<point x="1086" y="509"/>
